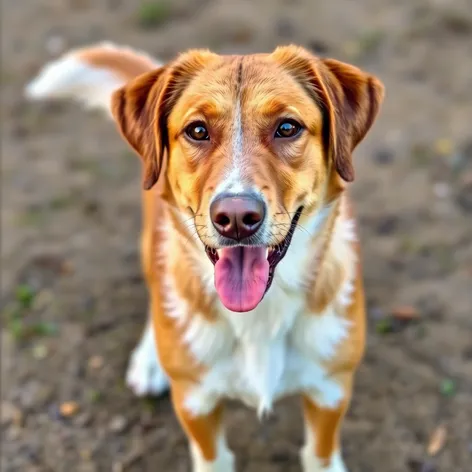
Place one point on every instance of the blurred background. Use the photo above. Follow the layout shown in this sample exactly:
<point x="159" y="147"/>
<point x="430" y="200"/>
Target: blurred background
<point x="73" y="302"/>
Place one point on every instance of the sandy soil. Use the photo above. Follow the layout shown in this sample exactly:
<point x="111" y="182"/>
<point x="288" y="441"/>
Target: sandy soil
<point x="73" y="299"/>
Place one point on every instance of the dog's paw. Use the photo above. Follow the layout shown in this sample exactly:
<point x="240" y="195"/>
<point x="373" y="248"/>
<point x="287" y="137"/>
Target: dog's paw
<point x="310" y="463"/>
<point x="145" y="375"/>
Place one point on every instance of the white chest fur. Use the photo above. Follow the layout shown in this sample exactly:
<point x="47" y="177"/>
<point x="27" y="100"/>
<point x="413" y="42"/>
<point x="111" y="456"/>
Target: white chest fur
<point x="260" y="356"/>
<point x="275" y="350"/>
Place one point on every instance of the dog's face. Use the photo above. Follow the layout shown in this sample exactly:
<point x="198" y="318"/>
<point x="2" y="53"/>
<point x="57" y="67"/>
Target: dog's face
<point x="252" y="145"/>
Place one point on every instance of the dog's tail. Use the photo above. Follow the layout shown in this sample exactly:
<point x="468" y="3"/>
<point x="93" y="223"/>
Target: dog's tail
<point x="89" y="75"/>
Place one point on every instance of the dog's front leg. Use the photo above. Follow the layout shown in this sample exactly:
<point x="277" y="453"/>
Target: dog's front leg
<point x="145" y="375"/>
<point x="322" y="450"/>
<point x="209" y="452"/>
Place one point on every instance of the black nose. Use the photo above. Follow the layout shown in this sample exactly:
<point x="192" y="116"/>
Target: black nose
<point x="237" y="217"/>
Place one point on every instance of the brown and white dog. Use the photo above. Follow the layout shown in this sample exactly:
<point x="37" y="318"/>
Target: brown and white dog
<point x="248" y="243"/>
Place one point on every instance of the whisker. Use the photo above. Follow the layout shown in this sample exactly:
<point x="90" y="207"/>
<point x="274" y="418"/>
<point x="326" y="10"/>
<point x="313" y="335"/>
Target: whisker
<point x="284" y="225"/>
<point x="291" y="214"/>
<point x="190" y="227"/>
<point x="192" y="218"/>
<point x="189" y="238"/>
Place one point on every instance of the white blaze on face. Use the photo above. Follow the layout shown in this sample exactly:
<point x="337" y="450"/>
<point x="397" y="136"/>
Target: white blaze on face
<point x="238" y="144"/>
<point x="233" y="181"/>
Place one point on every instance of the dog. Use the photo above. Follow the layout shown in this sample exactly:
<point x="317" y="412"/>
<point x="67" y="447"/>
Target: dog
<point x="249" y="246"/>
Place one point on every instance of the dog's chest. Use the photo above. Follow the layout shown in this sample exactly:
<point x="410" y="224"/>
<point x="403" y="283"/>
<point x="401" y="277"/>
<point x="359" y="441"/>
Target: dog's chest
<point x="261" y="356"/>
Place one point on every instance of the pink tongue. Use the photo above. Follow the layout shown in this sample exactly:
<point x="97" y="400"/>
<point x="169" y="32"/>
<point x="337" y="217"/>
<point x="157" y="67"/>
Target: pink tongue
<point x="241" y="276"/>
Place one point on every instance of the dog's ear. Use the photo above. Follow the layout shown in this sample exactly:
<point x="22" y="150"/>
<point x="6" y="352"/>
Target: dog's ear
<point x="349" y="98"/>
<point x="141" y="109"/>
<point x="135" y="110"/>
<point x="352" y="98"/>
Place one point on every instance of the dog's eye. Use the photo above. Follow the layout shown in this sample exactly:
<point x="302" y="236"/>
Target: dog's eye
<point x="288" y="129"/>
<point x="197" y="132"/>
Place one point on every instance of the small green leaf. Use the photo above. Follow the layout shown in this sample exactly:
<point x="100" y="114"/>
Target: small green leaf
<point x="22" y="331"/>
<point x="94" y="396"/>
<point x="153" y="13"/>
<point x="16" y="328"/>
<point x="25" y="295"/>
<point x="45" y="329"/>
<point x="448" y="387"/>
<point x="384" y="326"/>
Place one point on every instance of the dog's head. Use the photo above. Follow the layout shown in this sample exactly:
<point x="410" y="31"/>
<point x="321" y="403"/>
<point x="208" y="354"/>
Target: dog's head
<point x="250" y="145"/>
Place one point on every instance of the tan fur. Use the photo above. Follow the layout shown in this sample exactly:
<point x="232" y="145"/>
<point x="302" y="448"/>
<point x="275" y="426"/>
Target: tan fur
<point x="337" y="104"/>
<point x="123" y="62"/>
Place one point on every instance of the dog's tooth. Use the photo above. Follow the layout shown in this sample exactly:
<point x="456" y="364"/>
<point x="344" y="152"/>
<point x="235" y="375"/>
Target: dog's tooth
<point x="267" y="253"/>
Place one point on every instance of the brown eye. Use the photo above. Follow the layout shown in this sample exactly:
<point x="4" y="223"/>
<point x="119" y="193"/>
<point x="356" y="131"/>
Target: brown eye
<point x="197" y="132"/>
<point x="288" y="129"/>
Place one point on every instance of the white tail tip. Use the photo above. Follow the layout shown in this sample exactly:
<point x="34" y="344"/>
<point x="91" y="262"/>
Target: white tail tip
<point x="89" y="75"/>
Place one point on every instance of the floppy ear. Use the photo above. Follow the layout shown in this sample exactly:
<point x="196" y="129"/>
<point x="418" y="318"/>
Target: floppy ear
<point x="353" y="99"/>
<point x="135" y="110"/>
<point x="349" y="97"/>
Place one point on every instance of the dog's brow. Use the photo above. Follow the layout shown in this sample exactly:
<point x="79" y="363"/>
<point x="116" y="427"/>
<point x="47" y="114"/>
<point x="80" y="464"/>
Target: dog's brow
<point x="274" y="107"/>
<point x="207" y="109"/>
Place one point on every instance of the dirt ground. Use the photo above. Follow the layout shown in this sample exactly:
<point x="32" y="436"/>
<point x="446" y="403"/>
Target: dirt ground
<point x="73" y="302"/>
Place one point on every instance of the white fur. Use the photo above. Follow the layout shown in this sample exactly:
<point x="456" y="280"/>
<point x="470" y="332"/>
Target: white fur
<point x="274" y="350"/>
<point x="318" y="336"/>
<point x="69" y="77"/>
<point x="310" y="463"/>
<point x="233" y="183"/>
<point x="233" y="180"/>
<point x="264" y="355"/>
<point x="224" y="461"/>
<point x="145" y="375"/>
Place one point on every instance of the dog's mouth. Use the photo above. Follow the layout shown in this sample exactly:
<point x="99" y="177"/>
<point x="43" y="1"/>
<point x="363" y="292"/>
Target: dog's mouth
<point x="244" y="274"/>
